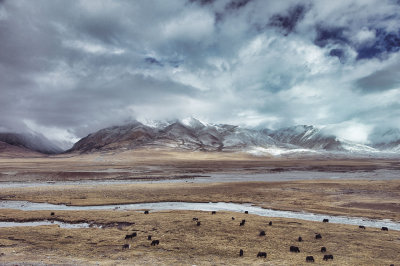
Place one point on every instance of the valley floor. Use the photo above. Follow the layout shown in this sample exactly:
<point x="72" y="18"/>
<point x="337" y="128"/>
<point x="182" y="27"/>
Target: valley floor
<point x="218" y="239"/>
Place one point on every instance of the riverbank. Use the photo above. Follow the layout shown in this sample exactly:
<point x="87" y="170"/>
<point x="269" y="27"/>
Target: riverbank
<point x="360" y="198"/>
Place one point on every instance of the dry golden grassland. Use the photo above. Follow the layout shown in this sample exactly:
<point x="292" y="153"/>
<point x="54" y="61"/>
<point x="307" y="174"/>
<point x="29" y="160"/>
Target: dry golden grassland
<point x="217" y="241"/>
<point x="219" y="238"/>
<point x="372" y="199"/>
<point x="163" y="164"/>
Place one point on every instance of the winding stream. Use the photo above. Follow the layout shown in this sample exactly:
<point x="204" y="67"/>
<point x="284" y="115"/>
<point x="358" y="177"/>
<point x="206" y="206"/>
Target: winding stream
<point x="211" y="206"/>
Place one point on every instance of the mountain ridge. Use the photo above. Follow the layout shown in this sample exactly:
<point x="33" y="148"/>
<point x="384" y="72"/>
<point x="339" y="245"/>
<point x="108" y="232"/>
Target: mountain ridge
<point x="195" y="135"/>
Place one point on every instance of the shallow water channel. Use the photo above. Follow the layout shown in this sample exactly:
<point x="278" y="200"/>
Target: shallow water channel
<point x="210" y="206"/>
<point x="45" y="222"/>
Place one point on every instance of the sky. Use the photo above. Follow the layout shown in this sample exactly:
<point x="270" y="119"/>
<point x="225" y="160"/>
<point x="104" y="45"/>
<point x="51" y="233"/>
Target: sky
<point x="69" y="68"/>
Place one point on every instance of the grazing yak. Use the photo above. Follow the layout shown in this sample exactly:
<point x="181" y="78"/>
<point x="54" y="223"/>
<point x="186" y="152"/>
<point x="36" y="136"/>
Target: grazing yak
<point x="195" y="219"/>
<point x="270" y="223"/>
<point x="146" y="212"/>
<point x="384" y="228"/>
<point x="262" y="254"/>
<point x="361" y="226"/>
<point x="246" y="212"/>
<point x="213" y="212"/>
<point x="262" y="233"/>
<point x="241" y="253"/>
<point x="233" y="218"/>
<point x="52" y="213"/>
<point x="149" y="237"/>
<point x="325" y="220"/>
<point x="131" y="236"/>
<point x="300" y="239"/>
<point x="328" y="257"/>
<point x="242" y="222"/>
<point x="198" y="224"/>
<point x="155" y="242"/>
<point x="318" y="236"/>
<point x="125" y="246"/>
<point x="309" y="259"/>
<point x="294" y="249"/>
<point x="323" y="249"/>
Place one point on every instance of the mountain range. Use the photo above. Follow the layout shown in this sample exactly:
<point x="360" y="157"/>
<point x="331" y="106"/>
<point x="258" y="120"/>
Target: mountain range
<point x="194" y="135"/>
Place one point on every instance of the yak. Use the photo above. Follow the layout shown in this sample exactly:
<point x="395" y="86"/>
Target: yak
<point x="262" y="254"/>
<point x="309" y="259"/>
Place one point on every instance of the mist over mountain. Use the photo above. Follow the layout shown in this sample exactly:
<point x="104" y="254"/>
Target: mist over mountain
<point x="31" y="141"/>
<point x="386" y="139"/>
<point x="195" y="135"/>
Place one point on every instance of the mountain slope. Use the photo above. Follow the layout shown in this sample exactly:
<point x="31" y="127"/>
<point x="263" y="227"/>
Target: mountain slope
<point x="8" y="150"/>
<point x="127" y="136"/>
<point x="307" y="137"/>
<point x="387" y="140"/>
<point x="32" y="141"/>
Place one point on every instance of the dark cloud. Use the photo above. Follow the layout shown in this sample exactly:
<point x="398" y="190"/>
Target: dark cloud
<point x="237" y="4"/>
<point x="385" y="79"/>
<point x="202" y="2"/>
<point x="153" y="61"/>
<point x="330" y="35"/>
<point x="383" y="43"/>
<point x="339" y="53"/>
<point x="288" y="21"/>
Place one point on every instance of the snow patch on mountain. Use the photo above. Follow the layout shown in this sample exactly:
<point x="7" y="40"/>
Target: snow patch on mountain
<point x="277" y="151"/>
<point x="193" y="123"/>
<point x="356" y="147"/>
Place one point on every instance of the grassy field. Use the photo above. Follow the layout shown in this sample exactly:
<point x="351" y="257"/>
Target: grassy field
<point x="217" y="241"/>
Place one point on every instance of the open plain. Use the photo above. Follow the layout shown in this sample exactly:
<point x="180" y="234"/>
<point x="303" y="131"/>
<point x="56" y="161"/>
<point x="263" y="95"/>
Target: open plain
<point x="171" y="177"/>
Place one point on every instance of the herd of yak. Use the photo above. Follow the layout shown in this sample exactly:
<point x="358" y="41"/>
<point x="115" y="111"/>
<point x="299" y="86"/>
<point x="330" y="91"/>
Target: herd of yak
<point x="262" y="233"/>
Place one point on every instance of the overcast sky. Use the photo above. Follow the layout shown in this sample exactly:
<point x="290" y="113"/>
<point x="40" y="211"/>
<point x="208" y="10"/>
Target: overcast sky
<point x="68" y="68"/>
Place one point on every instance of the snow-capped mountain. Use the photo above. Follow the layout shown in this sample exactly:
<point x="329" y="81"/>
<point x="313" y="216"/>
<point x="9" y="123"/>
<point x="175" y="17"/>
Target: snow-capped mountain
<point x="193" y="134"/>
<point x="308" y="137"/>
<point x="189" y="134"/>
<point x="32" y="141"/>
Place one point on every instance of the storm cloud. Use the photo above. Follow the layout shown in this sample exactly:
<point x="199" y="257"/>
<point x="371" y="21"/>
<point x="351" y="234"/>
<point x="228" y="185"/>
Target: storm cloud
<point x="68" y="68"/>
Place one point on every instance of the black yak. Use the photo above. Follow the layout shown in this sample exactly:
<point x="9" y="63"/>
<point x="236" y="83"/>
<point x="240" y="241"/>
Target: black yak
<point x="262" y="254"/>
